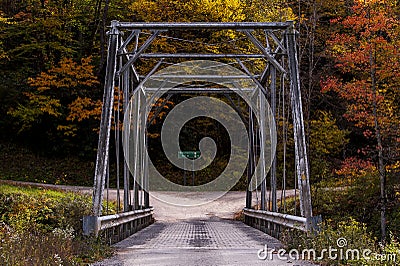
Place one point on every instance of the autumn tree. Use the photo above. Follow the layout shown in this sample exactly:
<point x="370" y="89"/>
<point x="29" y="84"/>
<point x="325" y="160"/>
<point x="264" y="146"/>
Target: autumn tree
<point x="63" y="102"/>
<point x="367" y="56"/>
<point x="327" y="141"/>
<point x="313" y="24"/>
<point x="34" y="36"/>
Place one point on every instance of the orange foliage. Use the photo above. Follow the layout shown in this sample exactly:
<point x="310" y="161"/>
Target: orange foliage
<point x="353" y="167"/>
<point x="84" y="108"/>
<point x="65" y="92"/>
<point x="67" y="75"/>
<point x="369" y="33"/>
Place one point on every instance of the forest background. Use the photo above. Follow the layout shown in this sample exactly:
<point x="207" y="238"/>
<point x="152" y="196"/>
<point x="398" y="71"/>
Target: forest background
<point x="52" y="65"/>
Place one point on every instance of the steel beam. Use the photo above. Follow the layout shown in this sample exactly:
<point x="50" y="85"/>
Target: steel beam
<point x="194" y="56"/>
<point x="124" y="44"/>
<point x="136" y="55"/>
<point x="265" y="74"/>
<point x="261" y="47"/>
<point x="263" y="173"/>
<point x="287" y="220"/>
<point x="303" y="175"/>
<point x="199" y="90"/>
<point x="254" y="78"/>
<point x="144" y="79"/>
<point x="137" y="172"/>
<point x="278" y="42"/>
<point x="204" y="25"/>
<point x="92" y="225"/>
<point x="135" y="74"/>
<point x="146" y="194"/>
<point x="250" y="165"/>
<point x="125" y="86"/>
<point x="200" y="77"/>
<point x="105" y="123"/>
<point x="273" y="166"/>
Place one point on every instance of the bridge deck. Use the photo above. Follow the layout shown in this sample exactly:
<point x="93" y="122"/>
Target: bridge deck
<point x="213" y="241"/>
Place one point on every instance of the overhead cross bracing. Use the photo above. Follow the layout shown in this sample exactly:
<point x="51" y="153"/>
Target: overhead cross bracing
<point x="264" y="52"/>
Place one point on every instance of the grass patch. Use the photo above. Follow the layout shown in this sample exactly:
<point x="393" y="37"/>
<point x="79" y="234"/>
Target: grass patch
<point x="43" y="227"/>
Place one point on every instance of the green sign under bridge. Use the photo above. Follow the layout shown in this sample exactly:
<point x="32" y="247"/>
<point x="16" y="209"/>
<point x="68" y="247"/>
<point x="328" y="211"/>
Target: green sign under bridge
<point x="189" y="154"/>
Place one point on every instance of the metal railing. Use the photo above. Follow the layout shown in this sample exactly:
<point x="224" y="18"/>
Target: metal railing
<point x="272" y="222"/>
<point x="119" y="226"/>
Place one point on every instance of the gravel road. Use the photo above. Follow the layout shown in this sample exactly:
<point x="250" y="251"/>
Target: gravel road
<point x="224" y="207"/>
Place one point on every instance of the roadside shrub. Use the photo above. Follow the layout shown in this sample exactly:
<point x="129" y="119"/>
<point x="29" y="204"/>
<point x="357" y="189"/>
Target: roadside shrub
<point x="22" y="208"/>
<point x="345" y="243"/>
<point x="34" y="247"/>
<point x="44" y="227"/>
<point x="357" y="197"/>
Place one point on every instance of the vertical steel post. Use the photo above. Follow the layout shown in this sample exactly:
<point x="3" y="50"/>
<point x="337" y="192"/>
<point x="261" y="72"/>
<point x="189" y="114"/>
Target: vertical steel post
<point x="135" y="109"/>
<point x="137" y="153"/>
<point x="146" y="158"/>
<point x="262" y="141"/>
<point x="302" y="171"/>
<point x="273" y="166"/>
<point x="141" y="137"/>
<point x="250" y="169"/>
<point x="105" y="123"/>
<point x="125" y="91"/>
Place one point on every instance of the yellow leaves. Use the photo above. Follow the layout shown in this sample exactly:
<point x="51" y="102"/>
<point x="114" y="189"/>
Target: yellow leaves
<point x="218" y="10"/>
<point x="211" y="10"/>
<point x="164" y="10"/>
<point x="326" y="137"/>
<point x="69" y="130"/>
<point x="393" y="167"/>
<point x="84" y="108"/>
<point x="46" y="104"/>
<point x="271" y="10"/>
<point x="43" y="82"/>
<point x="153" y="135"/>
<point x="68" y="74"/>
<point x="338" y="49"/>
<point x="63" y="92"/>
<point x="368" y="2"/>
<point x="38" y="105"/>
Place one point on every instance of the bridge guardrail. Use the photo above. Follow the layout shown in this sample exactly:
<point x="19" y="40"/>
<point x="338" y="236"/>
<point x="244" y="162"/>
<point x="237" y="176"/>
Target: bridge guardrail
<point x="271" y="222"/>
<point x="118" y="226"/>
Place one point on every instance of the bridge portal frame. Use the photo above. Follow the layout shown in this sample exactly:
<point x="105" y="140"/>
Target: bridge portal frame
<point x="121" y="70"/>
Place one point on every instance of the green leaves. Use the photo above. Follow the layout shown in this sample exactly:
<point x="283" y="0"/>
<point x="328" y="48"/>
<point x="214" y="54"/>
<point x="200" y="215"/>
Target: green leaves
<point x="326" y="138"/>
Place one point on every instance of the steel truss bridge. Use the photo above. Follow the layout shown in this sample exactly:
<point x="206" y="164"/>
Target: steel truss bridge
<point x="273" y="71"/>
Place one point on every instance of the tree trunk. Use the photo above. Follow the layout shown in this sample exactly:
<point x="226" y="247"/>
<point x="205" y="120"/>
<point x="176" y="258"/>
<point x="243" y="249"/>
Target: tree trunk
<point x="381" y="166"/>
